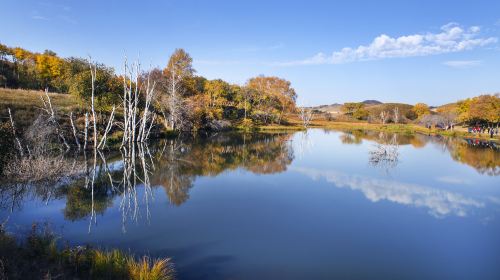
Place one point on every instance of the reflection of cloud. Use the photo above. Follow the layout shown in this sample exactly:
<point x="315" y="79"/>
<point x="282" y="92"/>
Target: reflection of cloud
<point x="439" y="202"/>
<point x="453" y="180"/>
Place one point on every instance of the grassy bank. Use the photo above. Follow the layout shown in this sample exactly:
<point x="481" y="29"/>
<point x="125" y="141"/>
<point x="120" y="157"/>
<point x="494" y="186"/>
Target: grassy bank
<point x="23" y="104"/>
<point x="294" y="124"/>
<point x="401" y="128"/>
<point x="39" y="257"/>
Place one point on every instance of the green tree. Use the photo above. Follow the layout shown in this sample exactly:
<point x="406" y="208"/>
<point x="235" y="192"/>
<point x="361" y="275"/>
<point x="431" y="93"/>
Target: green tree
<point x="356" y="110"/>
<point x="108" y="87"/>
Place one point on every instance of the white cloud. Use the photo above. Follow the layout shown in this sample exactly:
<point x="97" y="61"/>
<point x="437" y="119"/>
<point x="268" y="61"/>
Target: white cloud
<point x="462" y="63"/>
<point x="453" y="180"/>
<point x="451" y="38"/>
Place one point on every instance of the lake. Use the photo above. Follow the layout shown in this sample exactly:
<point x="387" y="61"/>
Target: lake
<point x="306" y="205"/>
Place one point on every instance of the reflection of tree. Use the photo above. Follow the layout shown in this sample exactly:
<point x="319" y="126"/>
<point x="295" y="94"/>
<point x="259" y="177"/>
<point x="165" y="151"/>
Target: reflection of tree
<point x="480" y="155"/>
<point x="171" y="174"/>
<point x="305" y="143"/>
<point x="173" y="164"/>
<point x="354" y="137"/>
<point x="182" y="162"/>
<point x="79" y="202"/>
<point x="385" y="155"/>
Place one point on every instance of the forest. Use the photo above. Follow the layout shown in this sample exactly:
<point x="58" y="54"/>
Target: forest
<point x="183" y="100"/>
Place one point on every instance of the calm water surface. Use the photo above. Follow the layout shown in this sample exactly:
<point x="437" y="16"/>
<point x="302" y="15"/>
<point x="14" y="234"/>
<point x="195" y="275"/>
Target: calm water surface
<point x="315" y="205"/>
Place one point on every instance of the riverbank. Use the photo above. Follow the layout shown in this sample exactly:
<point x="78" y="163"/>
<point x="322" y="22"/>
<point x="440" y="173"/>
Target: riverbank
<point x="294" y="124"/>
<point x="38" y="256"/>
<point x="24" y="103"/>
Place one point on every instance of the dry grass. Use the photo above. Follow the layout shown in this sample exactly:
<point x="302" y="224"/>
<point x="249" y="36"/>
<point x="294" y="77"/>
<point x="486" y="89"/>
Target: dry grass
<point x="39" y="257"/>
<point x="21" y="97"/>
<point x="150" y="269"/>
<point x="26" y="104"/>
<point x="41" y="169"/>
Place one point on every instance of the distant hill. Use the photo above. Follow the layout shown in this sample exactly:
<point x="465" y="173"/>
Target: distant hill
<point x="335" y="108"/>
<point x="371" y="102"/>
<point x="373" y="106"/>
<point x="332" y="108"/>
<point x="376" y="109"/>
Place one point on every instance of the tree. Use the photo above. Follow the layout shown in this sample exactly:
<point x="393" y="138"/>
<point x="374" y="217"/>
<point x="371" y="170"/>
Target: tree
<point x="421" y="109"/>
<point x="276" y="97"/>
<point x="396" y="114"/>
<point x="305" y="116"/>
<point x="108" y="87"/>
<point x="218" y="93"/>
<point x="485" y="108"/>
<point x="355" y="109"/>
<point x="350" y="107"/>
<point x="48" y="67"/>
<point x="384" y="116"/>
<point x="178" y="69"/>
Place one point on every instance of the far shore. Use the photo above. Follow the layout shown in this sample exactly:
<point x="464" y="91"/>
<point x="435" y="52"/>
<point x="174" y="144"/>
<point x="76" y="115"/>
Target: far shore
<point x="458" y="131"/>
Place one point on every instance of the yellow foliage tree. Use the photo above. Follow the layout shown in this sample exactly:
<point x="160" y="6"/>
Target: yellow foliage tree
<point x="421" y="109"/>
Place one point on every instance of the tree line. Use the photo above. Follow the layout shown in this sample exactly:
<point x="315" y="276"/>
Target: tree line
<point x="481" y="110"/>
<point x="182" y="100"/>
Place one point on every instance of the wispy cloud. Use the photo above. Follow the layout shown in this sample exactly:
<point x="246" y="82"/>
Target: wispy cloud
<point x="68" y="19"/>
<point x="451" y="38"/>
<point x="462" y="63"/>
<point x="38" y="17"/>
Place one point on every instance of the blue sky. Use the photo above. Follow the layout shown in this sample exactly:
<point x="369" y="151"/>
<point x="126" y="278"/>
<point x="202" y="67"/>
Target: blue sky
<point x="332" y="51"/>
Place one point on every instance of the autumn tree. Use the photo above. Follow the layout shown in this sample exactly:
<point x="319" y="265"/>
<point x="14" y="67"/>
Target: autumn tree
<point x="485" y="108"/>
<point x="421" y="109"/>
<point x="48" y="67"/>
<point x="179" y="68"/>
<point x="275" y="97"/>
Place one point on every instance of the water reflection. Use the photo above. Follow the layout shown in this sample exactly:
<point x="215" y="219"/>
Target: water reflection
<point x="482" y="155"/>
<point x="439" y="202"/>
<point x="175" y="164"/>
<point x="385" y="153"/>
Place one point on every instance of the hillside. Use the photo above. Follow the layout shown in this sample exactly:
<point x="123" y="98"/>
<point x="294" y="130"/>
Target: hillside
<point x="25" y="104"/>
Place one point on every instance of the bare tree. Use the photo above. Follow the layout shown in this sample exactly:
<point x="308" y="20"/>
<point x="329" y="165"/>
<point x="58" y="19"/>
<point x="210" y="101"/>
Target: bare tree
<point x="136" y="127"/>
<point x="396" y="115"/>
<point x="20" y="147"/>
<point x="384" y="116"/>
<point x="52" y="118"/>
<point x="144" y="129"/>
<point x="74" y="130"/>
<point x="305" y="116"/>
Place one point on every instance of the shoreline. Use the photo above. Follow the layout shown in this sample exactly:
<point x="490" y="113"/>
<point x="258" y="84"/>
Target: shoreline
<point x="409" y="129"/>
